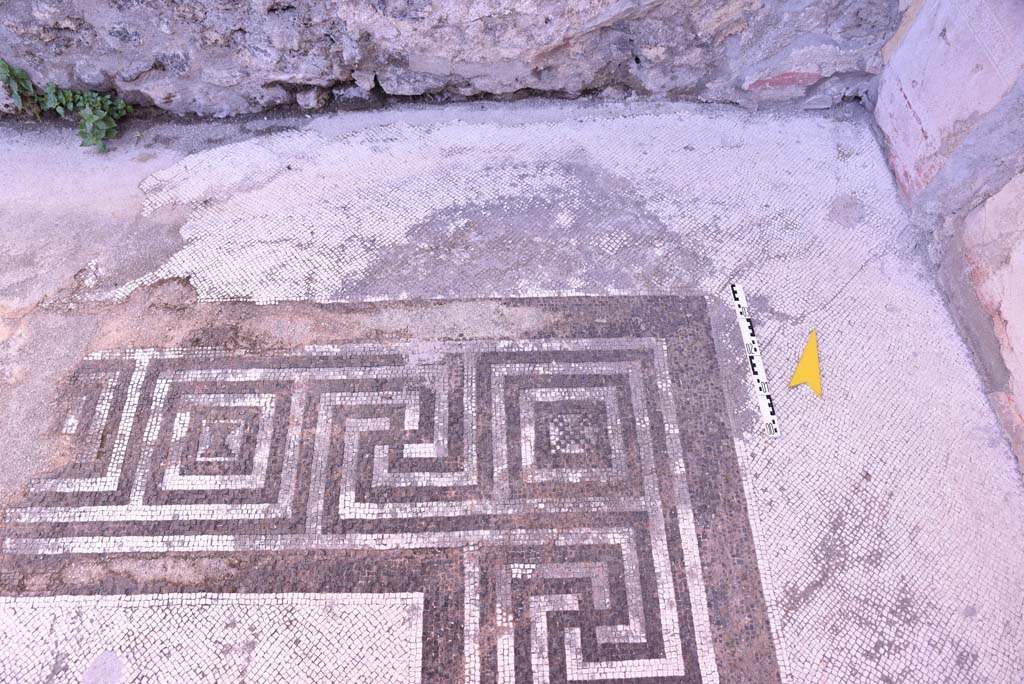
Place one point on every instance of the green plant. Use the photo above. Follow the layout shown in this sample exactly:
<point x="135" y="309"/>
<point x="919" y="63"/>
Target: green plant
<point x="20" y="87"/>
<point x="97" y="114"/>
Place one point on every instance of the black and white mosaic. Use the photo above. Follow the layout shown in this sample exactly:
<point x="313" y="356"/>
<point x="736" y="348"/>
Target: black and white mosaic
<point x="569" y="504"/>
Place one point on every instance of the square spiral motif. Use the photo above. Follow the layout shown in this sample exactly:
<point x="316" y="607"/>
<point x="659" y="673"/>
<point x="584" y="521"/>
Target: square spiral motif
<point x="573" y="434"/>
<point x="559" y="500"/>
<point x="579" y="434"/>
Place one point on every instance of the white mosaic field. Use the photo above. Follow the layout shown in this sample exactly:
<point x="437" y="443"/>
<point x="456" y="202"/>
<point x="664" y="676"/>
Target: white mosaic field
<point x="173" y="638"/>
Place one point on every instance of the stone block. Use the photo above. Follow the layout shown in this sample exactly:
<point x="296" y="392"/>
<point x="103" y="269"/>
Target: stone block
<point x="6" y="102"/>
<point x="313" y="98"/>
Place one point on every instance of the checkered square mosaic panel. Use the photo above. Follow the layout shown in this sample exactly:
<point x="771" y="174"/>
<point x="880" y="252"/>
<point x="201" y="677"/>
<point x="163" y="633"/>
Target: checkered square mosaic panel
<point x="569" y="503"/>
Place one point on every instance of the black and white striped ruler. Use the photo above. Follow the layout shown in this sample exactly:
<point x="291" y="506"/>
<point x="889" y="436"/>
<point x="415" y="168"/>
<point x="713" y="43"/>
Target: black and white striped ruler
<point x="764" y="397"/>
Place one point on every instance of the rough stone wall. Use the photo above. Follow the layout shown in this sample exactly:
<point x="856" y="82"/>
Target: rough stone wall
<point x="222" y="57"/>
<point x="951" y="108"/>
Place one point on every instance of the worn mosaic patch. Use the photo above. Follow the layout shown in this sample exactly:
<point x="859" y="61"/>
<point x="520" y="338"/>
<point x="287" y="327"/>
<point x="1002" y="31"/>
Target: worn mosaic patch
<point x="567" y="503"/>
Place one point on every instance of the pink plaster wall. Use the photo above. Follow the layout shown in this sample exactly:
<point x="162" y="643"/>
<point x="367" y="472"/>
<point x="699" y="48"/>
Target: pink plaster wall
<point x="993" y="243"/>
<point x="952" y="65"/>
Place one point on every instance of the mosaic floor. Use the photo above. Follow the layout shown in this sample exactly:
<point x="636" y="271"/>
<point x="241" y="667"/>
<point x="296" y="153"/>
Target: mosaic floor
<point x="562" y="507"/>
<point x="887" y="516"/>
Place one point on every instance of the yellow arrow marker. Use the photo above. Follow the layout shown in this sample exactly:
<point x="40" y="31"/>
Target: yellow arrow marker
<point x="808" y="370"/>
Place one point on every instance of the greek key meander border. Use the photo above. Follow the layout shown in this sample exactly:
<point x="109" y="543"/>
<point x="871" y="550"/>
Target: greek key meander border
<point x="314" y="539"/>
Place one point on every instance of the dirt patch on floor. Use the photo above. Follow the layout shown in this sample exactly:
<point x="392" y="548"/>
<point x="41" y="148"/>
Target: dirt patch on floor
<point x="168" y="314"/>
<point x="173" y="570"/>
